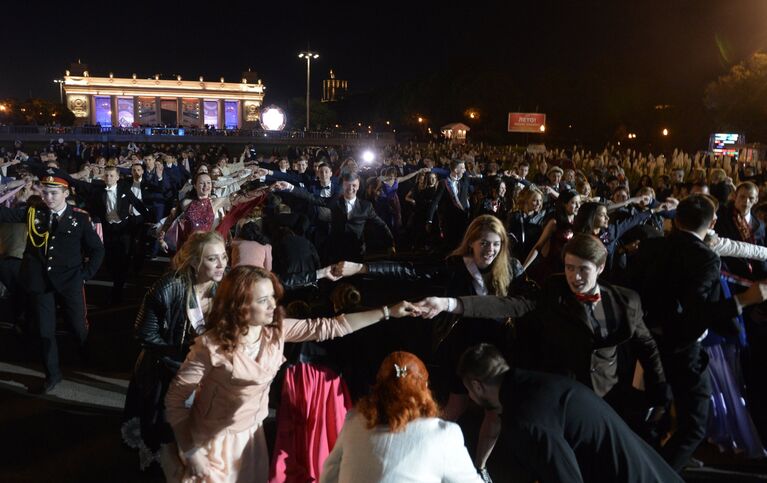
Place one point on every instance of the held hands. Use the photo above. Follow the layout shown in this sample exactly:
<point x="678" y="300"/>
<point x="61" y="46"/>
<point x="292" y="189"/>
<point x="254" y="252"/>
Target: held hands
<point x="430" y="307"/>
<point x="347" y="269"/>
<point x="281" y="186"/>
<point x="404" y="309"/>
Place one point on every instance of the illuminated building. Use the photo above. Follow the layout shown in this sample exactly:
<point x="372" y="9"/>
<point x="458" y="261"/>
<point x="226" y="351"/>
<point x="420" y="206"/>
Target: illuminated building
<point x="124" y="102"/>
<point x="334" y="89"/>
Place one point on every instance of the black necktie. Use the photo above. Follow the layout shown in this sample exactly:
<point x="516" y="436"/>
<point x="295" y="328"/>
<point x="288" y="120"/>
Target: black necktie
<point x="599" y="330"/>
<point x="54" y="221"/>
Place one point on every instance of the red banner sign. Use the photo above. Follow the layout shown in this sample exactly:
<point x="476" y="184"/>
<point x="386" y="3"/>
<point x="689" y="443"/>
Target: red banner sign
<point x="527" y="122"/>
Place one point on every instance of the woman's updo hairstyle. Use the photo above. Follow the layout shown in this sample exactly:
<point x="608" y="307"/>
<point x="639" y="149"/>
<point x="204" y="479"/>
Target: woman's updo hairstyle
<point x="400" y="394"/>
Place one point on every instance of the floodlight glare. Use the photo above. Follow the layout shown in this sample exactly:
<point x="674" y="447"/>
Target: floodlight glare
<point x="368" y="156"/>
<point x="273" y="119"/>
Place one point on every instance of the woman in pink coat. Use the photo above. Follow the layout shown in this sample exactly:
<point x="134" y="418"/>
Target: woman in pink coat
<point x="230" y="369"/>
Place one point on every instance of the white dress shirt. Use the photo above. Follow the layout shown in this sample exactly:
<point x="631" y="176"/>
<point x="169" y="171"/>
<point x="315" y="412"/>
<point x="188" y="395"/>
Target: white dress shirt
<point x="111" y="208"/>
<point x="136" y="189"/>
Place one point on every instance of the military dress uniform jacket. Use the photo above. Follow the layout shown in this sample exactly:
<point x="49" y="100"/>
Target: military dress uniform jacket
<point x="73" y="251"/>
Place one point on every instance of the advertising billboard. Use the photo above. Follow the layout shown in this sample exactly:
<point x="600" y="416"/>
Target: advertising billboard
<point x="527" y="122"/>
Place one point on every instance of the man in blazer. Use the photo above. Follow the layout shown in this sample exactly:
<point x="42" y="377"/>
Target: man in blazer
<point x="349" y="217"/>
<point x="557" y="430"/>
<point x="122" y="216"/>
<point x="62" y="251"/>
<point x="452" y="202"/>
<point x="678" y="280"/>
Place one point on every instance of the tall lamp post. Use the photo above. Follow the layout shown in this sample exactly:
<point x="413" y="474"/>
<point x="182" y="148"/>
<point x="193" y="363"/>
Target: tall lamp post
<point x="60" y="82"/>
<point x="309" y="56"/>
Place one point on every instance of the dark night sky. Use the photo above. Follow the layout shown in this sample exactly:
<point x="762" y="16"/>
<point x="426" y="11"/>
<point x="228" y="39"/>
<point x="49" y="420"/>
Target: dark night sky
<point x="666" y="48"/>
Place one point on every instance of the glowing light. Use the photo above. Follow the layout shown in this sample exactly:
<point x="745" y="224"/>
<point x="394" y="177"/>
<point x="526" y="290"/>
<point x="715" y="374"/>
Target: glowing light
<point x="472" y="115"/>
<point x="2" y="107"/>
<point x="543" y="128"/>
<point x="664" y="132"/>
<point x="368" y="156"/>
<point x="420" y="120"/>
<point x="273" y="119"/>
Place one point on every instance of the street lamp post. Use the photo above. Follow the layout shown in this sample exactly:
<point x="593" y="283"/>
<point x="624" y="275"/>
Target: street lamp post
<point x="60" y="82"/>
<point x="309" y="56"/>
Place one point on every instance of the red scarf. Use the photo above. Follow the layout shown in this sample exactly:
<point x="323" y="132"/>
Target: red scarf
<point x="744" y="228"/>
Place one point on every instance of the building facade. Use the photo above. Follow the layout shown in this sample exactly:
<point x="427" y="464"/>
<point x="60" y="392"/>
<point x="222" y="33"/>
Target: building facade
<point x="126" y="102"/>
<point x="334" y="89"/>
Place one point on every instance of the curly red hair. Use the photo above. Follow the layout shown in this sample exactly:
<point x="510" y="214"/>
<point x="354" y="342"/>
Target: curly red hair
<point x="228" y="319"/>
<point x="400" y="394"/>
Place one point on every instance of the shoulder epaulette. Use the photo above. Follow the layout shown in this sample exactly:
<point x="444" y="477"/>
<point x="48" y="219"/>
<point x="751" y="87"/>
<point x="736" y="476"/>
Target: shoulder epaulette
<point x="80" y="210"/>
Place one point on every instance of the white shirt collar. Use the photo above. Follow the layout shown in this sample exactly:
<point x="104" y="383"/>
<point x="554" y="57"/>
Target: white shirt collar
<point x="61" y="211"/>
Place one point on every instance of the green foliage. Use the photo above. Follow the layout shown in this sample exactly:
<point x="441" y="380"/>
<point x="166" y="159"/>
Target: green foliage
<point x="738" y="99"/>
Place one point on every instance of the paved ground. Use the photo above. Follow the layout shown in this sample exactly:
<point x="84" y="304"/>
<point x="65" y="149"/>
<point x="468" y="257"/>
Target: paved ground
<point x="73" y="434"/>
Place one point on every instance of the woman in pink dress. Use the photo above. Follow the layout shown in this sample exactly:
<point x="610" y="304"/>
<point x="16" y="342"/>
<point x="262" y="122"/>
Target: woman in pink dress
<point x="230" y="369"/>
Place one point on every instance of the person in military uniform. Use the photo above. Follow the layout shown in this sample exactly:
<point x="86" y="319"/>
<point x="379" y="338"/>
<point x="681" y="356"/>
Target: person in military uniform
<point x="62" y="250"/>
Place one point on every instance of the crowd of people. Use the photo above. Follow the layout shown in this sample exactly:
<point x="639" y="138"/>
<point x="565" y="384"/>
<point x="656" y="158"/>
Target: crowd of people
<point x="576" y="297"/>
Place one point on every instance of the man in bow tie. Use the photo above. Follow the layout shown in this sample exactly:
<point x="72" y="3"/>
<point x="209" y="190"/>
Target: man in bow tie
<point x="578" y="325"/>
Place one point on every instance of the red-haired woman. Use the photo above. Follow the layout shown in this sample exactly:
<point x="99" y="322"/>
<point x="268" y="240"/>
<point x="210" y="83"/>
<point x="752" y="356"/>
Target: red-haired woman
<point x="230" y="369"/>
<point x="396" y="435"/>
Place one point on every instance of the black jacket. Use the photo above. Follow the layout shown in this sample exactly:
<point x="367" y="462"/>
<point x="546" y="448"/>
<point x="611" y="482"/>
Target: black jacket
<point x="95" y="195"/>
<point x="678" y="280"/>
<point x="73" y="251"/>
<point x="560" y="432"/>
<point x="444" y="203"/>
<point x="567" y="340"/>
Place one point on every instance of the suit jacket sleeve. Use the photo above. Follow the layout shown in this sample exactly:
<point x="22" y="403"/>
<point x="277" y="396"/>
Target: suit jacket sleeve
<point x="138" y="204"/>
<point x="93" y="250"/>
<point x="696" y="297"/>
<point x="372" y="217"/>
<point x="13" y="215"/>
<point x="547" y="455"/>
<point x="494" y="307"/>
<point x="646" y="349"/>
<point x="435" y="202"/>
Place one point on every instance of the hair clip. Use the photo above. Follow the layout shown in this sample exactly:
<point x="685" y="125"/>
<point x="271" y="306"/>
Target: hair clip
<point x="400" y="371"/>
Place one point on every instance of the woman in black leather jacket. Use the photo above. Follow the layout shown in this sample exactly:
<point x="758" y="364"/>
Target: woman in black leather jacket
<point x="170" y="317"/>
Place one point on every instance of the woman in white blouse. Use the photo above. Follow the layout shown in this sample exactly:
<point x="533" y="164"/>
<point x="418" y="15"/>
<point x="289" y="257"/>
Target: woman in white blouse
<point x="395" y="436"/>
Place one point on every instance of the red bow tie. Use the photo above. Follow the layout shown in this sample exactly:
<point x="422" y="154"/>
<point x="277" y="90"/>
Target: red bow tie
<point x="590" y="298"/>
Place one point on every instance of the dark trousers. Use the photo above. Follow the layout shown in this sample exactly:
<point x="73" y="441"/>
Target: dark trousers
<point x="122" y="251"/>
<point x="43" y="308"/>
<point x="687" y="374"/>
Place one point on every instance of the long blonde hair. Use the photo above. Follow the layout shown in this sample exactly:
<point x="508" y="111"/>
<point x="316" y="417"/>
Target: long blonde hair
<point x="499" y="270"/>
<point x="188" y="259"/>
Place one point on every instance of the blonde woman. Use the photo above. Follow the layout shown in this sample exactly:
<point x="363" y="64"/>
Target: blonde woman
<point x="171" y="315"/>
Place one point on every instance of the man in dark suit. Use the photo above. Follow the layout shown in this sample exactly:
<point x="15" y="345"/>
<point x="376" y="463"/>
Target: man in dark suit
<point x="678" y="280"/>
<point x="122" y="216"/>
<point x="452" y="202"/>
<point x="349" y="217"/>
<point x="62" y="251"/>
<point x="558" y="430"/>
